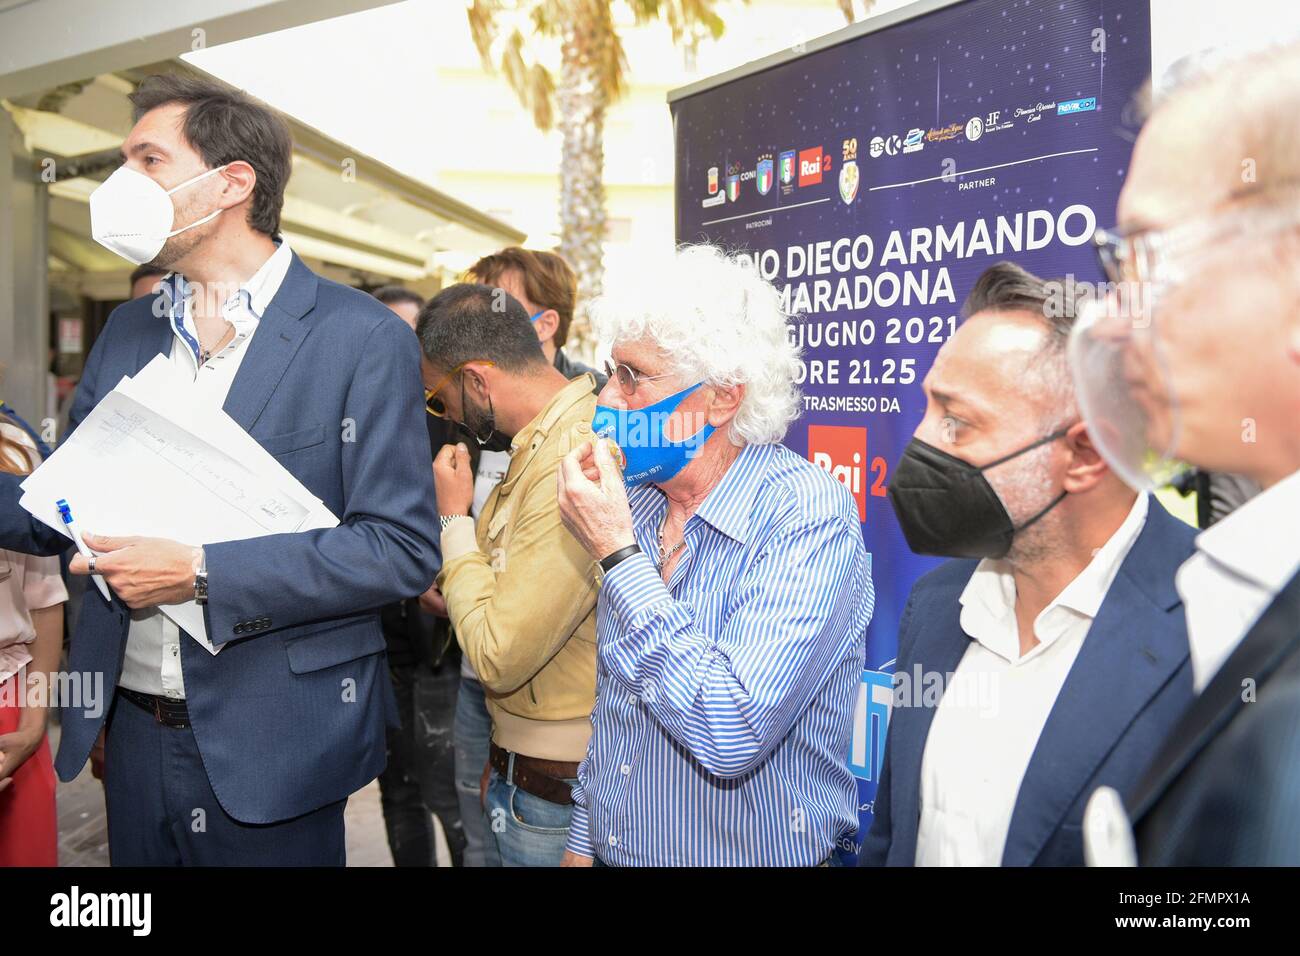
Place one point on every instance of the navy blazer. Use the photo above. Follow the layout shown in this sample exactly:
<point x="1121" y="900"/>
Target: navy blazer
<point x="1224" y="789"/>
<point x="291" y="714"/>
<point x="1130" y="683"/>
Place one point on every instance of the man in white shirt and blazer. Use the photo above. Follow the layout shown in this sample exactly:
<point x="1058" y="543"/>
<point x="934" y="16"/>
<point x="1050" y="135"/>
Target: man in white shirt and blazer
<point x="1050" y="657"/>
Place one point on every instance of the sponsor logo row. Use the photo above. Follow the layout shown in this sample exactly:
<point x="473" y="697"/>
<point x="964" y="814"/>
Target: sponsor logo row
<point x="796" y="169"/>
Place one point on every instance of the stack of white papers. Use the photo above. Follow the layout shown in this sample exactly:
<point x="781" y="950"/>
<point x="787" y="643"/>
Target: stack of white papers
<point x="151" y="461"/>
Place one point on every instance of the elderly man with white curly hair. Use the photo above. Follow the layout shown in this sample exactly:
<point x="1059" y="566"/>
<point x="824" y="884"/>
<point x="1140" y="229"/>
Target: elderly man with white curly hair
<point x="735" y="588"/>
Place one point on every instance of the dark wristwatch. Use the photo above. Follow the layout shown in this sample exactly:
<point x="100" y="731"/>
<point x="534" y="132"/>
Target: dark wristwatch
<point x="201" y="579"/>
<point x="607" y="563"/>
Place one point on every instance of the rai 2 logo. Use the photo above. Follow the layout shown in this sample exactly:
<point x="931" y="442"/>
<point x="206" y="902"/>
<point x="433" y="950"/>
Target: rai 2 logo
<point x="841" y="450"/>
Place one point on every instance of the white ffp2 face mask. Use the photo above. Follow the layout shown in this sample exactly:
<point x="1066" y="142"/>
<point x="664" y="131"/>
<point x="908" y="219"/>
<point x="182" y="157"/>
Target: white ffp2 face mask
<point x="131" y="215"/>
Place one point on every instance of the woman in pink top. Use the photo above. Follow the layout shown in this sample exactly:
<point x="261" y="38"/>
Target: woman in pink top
<point x="31" y="639"/>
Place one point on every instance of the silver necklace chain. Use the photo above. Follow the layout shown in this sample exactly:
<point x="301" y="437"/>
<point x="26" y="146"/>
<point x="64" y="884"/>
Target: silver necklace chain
<point x="664" y="556"/>
<point x="205" y="353"/>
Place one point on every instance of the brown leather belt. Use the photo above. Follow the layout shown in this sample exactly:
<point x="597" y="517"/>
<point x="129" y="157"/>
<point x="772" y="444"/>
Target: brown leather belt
<point x="541" y="778"/>
<point x="168" y="712"/>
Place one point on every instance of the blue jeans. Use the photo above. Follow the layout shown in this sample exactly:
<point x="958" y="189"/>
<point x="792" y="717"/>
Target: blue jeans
<point x="471" y="732"/>
<point x="529" y="831"/>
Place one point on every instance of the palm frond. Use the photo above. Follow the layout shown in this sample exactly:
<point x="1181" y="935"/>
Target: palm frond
<point x="541" y="92"/>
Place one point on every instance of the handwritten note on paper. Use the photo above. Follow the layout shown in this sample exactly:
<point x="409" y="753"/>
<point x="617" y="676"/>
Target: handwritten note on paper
<point x="212" y="468"/>
<point x="137" y="466"/>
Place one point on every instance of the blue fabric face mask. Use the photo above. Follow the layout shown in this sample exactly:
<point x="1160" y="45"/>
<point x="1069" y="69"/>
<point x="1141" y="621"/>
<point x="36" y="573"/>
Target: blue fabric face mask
<point x="639" y="433"/>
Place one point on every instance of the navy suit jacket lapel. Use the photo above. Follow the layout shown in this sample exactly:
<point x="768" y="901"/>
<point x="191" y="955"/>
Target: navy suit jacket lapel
<point x="1269" y="642"/>
<point x="1134" y="647"/>
<point x="156" y="340"/>
<point x="279" y="333"/>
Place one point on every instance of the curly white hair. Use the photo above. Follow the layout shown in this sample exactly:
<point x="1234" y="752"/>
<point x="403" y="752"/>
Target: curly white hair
<point x="720" y="323"/>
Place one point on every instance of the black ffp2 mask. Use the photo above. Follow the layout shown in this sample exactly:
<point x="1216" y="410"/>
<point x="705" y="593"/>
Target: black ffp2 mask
<point x="484" y="431"/>
<point x="947" y="508"/>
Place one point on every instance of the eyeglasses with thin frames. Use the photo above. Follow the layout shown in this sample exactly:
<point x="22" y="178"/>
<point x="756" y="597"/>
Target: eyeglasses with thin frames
<point x="1146" y="255"/>
<point x="627" y="378"/>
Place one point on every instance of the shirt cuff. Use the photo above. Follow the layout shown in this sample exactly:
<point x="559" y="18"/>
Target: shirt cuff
<point x="458" y="539"/>
<point x="632" y="586"/>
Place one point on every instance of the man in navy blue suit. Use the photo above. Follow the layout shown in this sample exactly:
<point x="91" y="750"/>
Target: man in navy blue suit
<point x="1205" y="368"/>
<point x="246" y="756"/>
<point x="1051" y="657"/>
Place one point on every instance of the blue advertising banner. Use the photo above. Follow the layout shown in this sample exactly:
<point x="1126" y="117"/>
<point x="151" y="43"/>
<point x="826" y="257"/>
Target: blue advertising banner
<point x="873" y="180"/>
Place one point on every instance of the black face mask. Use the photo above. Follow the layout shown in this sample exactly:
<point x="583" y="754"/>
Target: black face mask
<point x="947" y="507"/>
<point x="484" y="432"/>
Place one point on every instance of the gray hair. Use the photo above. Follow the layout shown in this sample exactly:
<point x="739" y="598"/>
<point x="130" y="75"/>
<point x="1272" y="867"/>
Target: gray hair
<point x="1257" y="87"/>
<point x="719" y="322"/>
<point x="1203" y="66"/>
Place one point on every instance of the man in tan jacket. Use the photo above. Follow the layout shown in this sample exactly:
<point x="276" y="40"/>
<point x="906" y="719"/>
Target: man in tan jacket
<point x="520" y="590"/>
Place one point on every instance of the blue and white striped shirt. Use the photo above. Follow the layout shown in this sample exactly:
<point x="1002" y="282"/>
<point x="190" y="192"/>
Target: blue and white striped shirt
<point x="724" y="700"/>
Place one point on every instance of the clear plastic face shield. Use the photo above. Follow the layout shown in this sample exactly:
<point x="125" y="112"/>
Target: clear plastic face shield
<point x="1122" y="371"/>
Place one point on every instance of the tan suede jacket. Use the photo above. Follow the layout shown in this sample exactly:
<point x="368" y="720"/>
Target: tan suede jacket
<point x="521" y="592"/>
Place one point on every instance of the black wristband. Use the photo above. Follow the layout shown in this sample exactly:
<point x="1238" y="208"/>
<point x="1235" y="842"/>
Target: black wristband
<point x="607" y="563"/>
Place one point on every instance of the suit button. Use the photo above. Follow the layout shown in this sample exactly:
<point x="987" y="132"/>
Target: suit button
<point x="239" y="628"/>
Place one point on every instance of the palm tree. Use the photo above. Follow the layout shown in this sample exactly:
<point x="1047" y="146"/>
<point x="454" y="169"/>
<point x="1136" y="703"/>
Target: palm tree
<point x="850" y="15"/>
<point x="593" y="74"/>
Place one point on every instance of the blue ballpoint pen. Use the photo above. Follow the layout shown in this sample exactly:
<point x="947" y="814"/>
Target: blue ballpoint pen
<point x="65" y="512"/>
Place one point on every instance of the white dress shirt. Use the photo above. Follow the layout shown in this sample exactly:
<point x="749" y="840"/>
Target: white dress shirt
<point x="1240" y="565"/>
<point x="997" y="702"/>
<point x="153" y="651"/>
